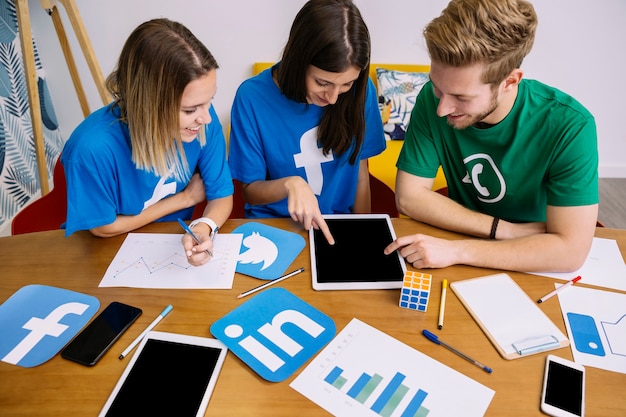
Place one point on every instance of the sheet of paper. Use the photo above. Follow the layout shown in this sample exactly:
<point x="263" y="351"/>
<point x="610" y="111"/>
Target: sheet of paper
<point x="604" y="266"/>
<point x="511" y="320"/>
<point x="154" y="260"/>
<point x="365" y="372"/>
<point x="596" y="324"/>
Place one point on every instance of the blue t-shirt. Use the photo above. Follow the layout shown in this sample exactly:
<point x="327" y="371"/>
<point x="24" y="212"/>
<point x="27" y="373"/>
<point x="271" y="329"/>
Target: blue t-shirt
<point x="273" y="137"/>
<point x="103" y="181"/>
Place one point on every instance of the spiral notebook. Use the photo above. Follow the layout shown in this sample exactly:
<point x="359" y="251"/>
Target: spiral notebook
<point x="512" y="321"/>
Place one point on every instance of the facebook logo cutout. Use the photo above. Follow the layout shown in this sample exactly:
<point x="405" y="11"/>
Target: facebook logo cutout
<point x="38" y="320"/>
<point x="274" y="333"/>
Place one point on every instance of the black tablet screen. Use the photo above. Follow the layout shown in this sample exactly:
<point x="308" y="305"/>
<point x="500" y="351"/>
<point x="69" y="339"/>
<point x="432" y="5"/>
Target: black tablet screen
<point x="357" y="255"/>
<point x="168" y="379"/>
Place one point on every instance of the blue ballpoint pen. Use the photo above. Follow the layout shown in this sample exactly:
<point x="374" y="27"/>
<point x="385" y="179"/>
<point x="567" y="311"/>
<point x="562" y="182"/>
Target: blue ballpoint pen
<point x="433" y="338"/>
<point x="188" y="230"/>
<point x="143" y="334"/>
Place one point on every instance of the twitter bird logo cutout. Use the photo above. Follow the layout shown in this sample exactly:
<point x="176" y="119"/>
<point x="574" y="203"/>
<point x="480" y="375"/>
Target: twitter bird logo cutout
<point x="266" y="251"/>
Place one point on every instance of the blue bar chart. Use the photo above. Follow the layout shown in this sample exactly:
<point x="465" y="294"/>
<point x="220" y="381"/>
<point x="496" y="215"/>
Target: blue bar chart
<point x="367" y="373"/>
<point x="387" y="402"/>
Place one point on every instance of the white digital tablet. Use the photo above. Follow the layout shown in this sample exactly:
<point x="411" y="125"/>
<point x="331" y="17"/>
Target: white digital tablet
<point x="169" y="374"/>
<point x="356" y="261"/>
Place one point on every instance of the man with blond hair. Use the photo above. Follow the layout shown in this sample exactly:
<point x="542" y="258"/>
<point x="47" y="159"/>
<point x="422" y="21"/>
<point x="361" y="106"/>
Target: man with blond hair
<point x="520" y="157"/>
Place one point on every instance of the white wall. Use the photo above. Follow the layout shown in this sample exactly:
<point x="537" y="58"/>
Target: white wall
<point x="579" y="49"/>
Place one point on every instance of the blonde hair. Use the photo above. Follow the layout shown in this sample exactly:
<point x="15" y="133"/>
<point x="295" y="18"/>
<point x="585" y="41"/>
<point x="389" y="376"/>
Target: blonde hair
<point x="499" y="33"/>
<point x="159" y="59"/>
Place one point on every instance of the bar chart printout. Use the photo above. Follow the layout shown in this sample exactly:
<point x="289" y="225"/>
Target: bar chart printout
<point x="365" y="372"/>
<point x="390" y="397"/>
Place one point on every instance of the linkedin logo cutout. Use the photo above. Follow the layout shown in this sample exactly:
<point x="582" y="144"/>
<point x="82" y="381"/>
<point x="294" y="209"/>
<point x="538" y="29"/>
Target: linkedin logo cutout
<point x="274" y="333"/>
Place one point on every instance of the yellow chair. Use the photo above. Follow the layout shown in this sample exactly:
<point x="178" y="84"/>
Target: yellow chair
<point x="383" y="166"/>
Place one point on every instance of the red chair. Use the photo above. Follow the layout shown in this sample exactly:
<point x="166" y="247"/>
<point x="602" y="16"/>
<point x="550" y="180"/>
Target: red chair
<point x="46" y="213"/>
<point x="383" y="198"/>
<point x="238" y="205"/>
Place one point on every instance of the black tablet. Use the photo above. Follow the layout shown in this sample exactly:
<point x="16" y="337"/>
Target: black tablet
<point x="170" y="375"/>
<point x="356" y="261"/>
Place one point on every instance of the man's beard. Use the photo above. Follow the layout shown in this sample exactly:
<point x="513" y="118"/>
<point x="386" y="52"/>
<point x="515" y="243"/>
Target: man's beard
<point x="472" y="120"/>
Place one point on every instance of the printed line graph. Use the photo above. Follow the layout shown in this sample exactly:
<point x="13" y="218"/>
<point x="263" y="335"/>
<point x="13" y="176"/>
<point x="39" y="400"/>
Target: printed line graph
<point x="174" y="261"/>
<point x="149" y="260"/>
<point x="171" y="261"/>
<point x="164" y="254"/>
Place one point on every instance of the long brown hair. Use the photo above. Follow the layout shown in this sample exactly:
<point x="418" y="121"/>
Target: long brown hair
<point x="331" y="35"/>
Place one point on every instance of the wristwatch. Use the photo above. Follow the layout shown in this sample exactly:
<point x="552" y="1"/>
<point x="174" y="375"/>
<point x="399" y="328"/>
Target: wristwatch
<point x="206" y="221"/>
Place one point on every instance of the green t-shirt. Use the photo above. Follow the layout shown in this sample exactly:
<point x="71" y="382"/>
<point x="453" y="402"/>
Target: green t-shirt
<point x="543" y="153"/>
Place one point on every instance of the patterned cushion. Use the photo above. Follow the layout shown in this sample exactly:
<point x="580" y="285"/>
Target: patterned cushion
<point x="398" y="90"/>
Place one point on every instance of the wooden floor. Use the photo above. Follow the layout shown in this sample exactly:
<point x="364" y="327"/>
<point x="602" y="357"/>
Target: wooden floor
<point x="613" y="202"/>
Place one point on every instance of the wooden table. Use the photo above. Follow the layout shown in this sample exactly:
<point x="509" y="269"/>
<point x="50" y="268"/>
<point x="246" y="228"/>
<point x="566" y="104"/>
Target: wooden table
<point x="63" y="388"/>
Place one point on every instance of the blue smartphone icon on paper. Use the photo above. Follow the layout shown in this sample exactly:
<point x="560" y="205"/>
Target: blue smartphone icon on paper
<point x="585" y="334"/>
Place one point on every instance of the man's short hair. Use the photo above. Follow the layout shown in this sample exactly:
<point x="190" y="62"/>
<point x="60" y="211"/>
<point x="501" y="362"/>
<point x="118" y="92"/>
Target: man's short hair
<point x="499" y="33"/>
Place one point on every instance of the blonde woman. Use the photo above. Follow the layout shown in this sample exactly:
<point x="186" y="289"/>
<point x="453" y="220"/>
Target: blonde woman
<point x="158" y="149"/>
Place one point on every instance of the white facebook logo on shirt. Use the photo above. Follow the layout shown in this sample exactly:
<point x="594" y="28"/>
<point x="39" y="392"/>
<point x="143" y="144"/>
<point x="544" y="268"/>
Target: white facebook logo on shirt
<point x="311" y="159"/>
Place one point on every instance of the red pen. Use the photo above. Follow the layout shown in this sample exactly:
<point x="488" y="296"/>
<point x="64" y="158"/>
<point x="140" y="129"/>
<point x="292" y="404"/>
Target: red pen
<point x="561" y="288"/>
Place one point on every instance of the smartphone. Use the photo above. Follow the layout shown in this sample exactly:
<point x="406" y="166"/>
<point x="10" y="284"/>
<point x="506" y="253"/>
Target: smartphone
<point x="99" y="335"/>
<point x="563" y="393"/>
